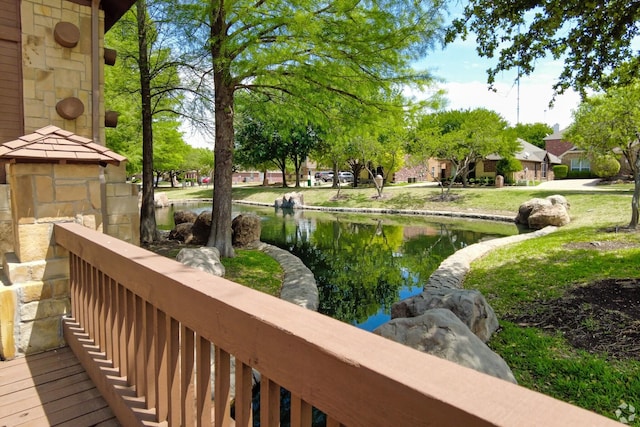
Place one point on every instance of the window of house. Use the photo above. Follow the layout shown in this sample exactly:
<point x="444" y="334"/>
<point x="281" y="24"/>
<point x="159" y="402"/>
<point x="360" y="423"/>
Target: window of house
<point x="580" y="165"/>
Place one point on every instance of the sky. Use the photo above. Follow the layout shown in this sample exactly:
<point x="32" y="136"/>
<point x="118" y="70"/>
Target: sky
<point x="465" y="82"/>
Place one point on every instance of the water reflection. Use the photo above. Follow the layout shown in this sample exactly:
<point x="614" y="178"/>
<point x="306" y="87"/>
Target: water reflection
<point x="363" y="264"/>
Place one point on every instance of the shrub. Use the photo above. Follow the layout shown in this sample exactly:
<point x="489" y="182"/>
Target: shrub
<point x="506" y="167"/>
<point x="605" y="166"/>
<point x="579" y="174"/>
<point x="560" y="171"/>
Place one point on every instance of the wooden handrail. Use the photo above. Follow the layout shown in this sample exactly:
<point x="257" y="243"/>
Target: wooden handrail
<point x="149" y="323"/>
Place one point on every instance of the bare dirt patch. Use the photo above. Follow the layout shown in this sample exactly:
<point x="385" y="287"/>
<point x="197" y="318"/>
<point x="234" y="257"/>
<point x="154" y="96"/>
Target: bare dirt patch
<point x="602" y="317"/>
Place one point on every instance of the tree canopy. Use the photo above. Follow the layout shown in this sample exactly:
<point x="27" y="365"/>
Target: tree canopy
<point x="533" y="133"/>
<point x="593" y="38"/>
<point x="308" y="51"/>
<point x="462" y="137"/>
<point x="609" y="124"/>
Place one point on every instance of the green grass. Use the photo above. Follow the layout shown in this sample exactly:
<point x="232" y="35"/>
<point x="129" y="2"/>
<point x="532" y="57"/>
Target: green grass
<point x="254" y="269"/>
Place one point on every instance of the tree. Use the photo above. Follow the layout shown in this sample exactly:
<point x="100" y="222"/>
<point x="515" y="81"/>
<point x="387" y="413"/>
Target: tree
<point x="533" y="133"/>
<point x="152" y="93"/>
<point x="462" y="137"/>
<point x="310" y="51"/>
<point x="594" y="38"/>
<point x="610" y="122"/>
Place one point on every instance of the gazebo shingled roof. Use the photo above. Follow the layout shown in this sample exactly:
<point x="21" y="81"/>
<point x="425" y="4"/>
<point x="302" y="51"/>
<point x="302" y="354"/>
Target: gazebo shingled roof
<point x="54" y="145"/>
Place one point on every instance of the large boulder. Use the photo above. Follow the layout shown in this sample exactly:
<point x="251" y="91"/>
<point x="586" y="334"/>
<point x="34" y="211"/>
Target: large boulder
<point x="538" y="213"/>
<point x="182" y="232"/>
<point x="180" y="217"/>
<point x="201" y="228"/>
<point x="290" y="201"/>
<point x="246" y="230"/>
<point x="205" y="259"/>
<point x="468" y="304"/>
<point x="545" y="215"/>
<point x="439" y="332"/>
<point x="161" y="200"/>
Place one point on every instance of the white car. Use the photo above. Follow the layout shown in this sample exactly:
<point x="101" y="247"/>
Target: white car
<point x="345" y="176"/>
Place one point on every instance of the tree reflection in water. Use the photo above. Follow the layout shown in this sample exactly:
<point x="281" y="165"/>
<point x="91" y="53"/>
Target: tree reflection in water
<point x="364" y="264"/>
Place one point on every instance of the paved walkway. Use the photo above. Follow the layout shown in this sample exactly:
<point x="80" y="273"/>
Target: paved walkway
<point x="567" y="184"/>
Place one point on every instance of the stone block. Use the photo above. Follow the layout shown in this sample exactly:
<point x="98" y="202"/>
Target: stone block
<point x="122" y="205"/>
<point x="31" y="169"/>
<point x="76" y="171"/>
<point x="44" y="189"/>
<point x="116" y="173"/>
<point x="40" y="335"/>
<point x="71" y="193"/>
<point x="59" y="287"/>
<point x="43" y="309"/>
<point x="95" y="194"/>
<point x="34" y="291"/>
<point x="35" y="242"/>
<point x="22" y="201"/>
<point x="21" y="272"/>
<point x="8" y="303"/>
<point x="50" y="212"/>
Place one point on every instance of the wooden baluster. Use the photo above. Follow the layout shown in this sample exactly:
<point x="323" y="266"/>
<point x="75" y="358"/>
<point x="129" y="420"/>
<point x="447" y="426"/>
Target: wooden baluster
<point x="109" y="318"/>
<point x="130" y="327"/>
<point x="101" y="317"/>
<point x="121" y="328"/>
<point x="150" y="354"/>
<point x="173" y="339"/>
<point x="140" y="346"/>
<point x="222" y="387"/>
<point x="301" y="412"/>
<point x="203" y="382"/>
<point x="162" y="367"/>
<point x="187" y="397"/>
<point x="244" y="413"/>
<point x="269" y="403"/>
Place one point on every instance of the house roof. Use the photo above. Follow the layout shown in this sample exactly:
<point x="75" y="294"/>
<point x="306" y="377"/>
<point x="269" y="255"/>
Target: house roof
<point x="558" y="135"/>
<point x="54" y="145"/>
<point x="113" y="11"/>
<point x="531" y="153"/>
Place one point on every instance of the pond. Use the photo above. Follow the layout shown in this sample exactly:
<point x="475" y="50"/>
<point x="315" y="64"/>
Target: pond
<point x="363" y="263"/>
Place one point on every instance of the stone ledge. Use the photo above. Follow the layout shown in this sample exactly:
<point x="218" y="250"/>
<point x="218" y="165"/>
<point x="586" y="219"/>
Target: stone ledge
<point x="299" y="285"/>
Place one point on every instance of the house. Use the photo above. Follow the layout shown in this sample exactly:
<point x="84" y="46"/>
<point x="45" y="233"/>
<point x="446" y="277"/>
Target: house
<point x="536" y="163"/>
<point x="575" y="158"/>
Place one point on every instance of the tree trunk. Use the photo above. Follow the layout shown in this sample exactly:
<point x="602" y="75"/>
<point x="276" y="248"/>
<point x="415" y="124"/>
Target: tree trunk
<point x="148" y="226"/>
<point x="635" y="200"/>
<point x="220" y="236"/>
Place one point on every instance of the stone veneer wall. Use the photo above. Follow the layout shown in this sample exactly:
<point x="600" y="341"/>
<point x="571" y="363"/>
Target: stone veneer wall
<point x="34" y="294"/>
<point x="6" y="223"/>
<point x="52" y="72"/>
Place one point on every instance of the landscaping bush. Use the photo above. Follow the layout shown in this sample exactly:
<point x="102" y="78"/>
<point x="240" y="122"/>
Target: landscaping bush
<point x="560" y="171"/>
<point x="506" y="167"/>
<point x="580" y="174"/>
<point x="605" y="166"/>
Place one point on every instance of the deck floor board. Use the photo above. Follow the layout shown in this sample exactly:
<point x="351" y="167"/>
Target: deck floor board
<point x="50" y="389"/>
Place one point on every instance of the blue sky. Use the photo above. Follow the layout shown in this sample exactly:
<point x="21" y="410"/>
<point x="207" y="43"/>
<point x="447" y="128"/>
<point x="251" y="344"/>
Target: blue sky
<point x="465" y="81"/>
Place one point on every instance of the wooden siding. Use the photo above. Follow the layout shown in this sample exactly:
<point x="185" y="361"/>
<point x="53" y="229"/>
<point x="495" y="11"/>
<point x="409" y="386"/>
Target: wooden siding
<point x="11" y="108"/>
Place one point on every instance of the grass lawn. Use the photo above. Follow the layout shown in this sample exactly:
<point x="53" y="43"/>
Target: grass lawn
<point x="592" y="357"/>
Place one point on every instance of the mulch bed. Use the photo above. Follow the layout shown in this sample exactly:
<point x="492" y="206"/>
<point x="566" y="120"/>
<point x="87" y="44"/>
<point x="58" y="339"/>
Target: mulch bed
<point x="602" y="317"/>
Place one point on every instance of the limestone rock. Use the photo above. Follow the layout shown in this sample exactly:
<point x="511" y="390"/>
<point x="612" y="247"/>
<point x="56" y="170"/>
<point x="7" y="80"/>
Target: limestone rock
<point x="543" y="216"/>
<point x="469" y="305"/>
<point x="205" y="259"/>
<point x="538" y="213"/>
<point x="246" y="230"/>
<point x="439" y="332"/>
<point x="161" y="200"/>
<point x="202" y="228"/>
<point x="290" y="201"/>
<point x="180" y="217"/>
<point x="182" y="232"/>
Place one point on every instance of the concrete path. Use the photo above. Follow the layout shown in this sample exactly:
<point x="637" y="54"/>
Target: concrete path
<point x="567" y="184"/>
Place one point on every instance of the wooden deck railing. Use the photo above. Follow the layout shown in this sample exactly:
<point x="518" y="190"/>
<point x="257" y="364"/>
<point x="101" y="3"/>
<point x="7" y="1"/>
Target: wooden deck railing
<point x="144" y="326"/>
